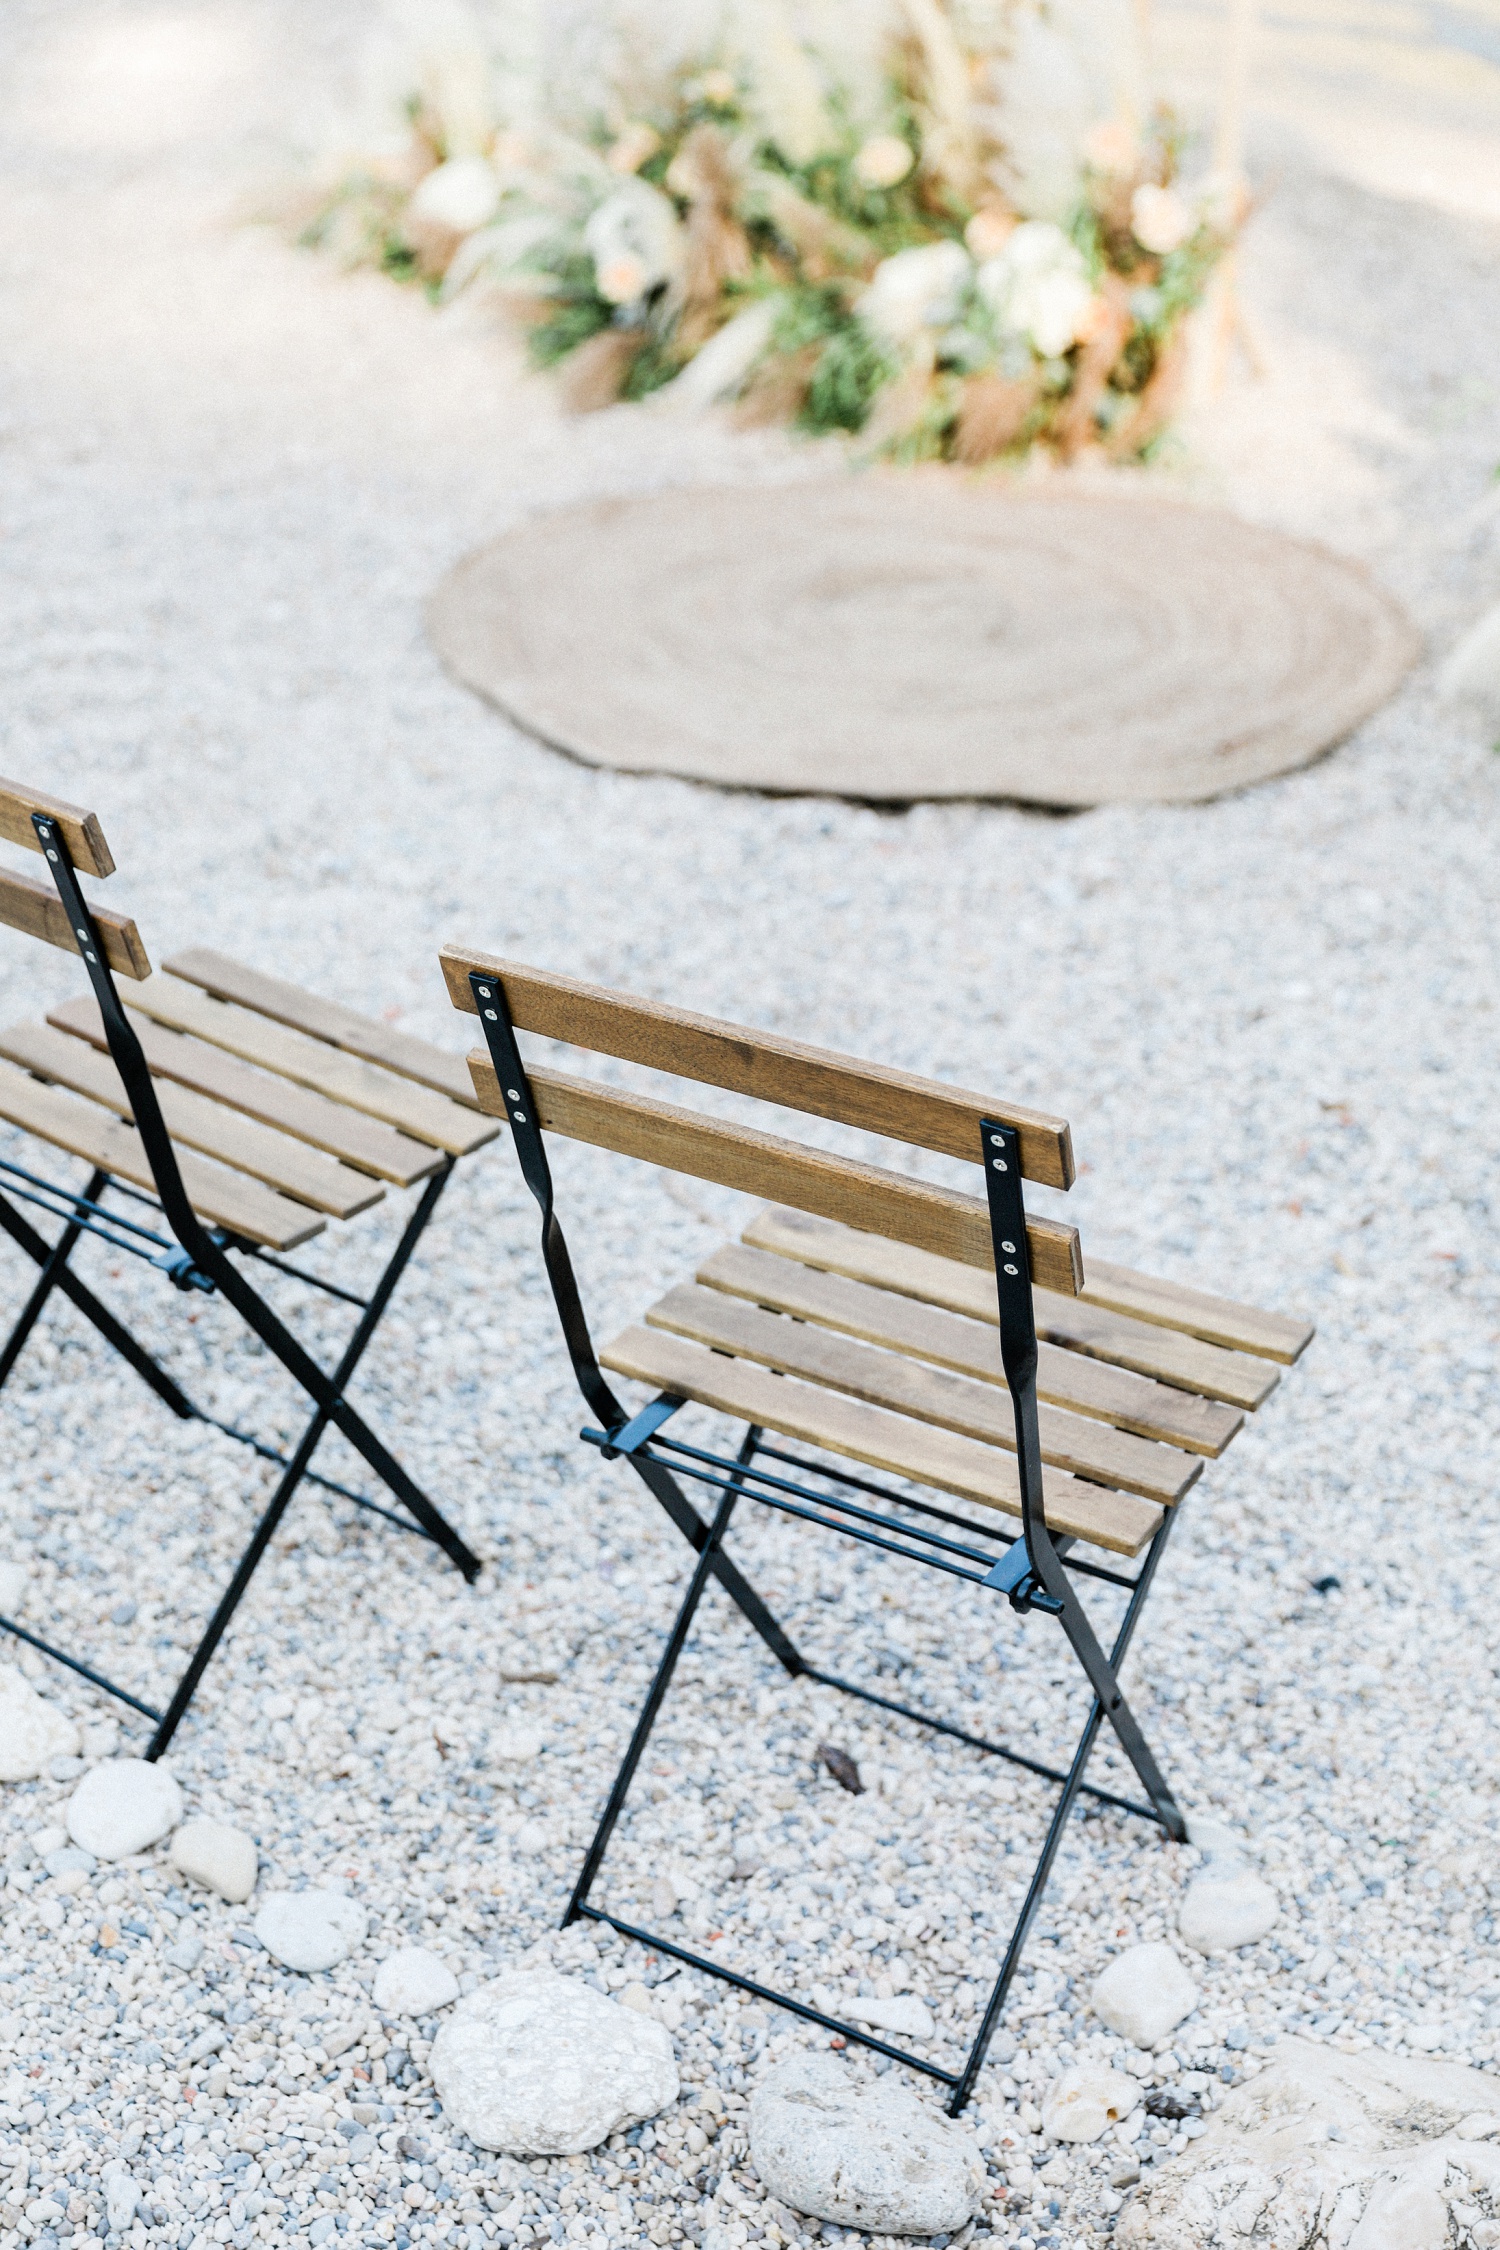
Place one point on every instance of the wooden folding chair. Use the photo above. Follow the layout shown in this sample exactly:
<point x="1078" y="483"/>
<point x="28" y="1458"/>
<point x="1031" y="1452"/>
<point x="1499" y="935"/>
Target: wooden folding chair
<point x="227" y="1116"/>
<point x="861" y="1322"/>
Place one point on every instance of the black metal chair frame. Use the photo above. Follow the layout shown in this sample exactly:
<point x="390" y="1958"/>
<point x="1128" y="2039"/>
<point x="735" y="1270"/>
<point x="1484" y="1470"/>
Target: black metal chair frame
<point x="198" y="1258"/>
<point x="1032" y="1571"/>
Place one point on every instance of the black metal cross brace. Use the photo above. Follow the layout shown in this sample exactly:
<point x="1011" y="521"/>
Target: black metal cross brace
<point x="202" y="1258"/>
<point x="1035" y="1572"/>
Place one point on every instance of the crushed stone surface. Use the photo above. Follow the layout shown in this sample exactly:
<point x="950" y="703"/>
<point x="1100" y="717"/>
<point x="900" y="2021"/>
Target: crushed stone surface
<point x="230" y="476"/>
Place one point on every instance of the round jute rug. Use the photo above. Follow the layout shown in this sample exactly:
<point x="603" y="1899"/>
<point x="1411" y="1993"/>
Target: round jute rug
<point x="899" y="636"/>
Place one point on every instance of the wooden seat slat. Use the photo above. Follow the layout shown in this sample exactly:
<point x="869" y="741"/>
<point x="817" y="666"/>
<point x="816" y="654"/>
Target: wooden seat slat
<point x="928" y="1394"/>
<point x="881" y="1440"/>
<point x="738" y="1156"/>
<point x="193" y="1121"/>
<point x="221" y="1198"/>
<point x="362" y="1142"/>
<point x="1216" y="1320"/>
<point x="80" y="830"/>
<point x="30" y="904"/>
<point x="358" y="1085"/>
<point x="872" y="1097"/>
<point x="1164" y="1354"/>
<point x="328" y="1020"/>
<point x="1064" y="1378"/>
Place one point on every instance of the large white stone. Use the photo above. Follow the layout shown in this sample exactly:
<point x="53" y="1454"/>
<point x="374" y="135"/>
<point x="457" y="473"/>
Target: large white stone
<point x="1350" y="2152"/>
<point x="32" y="1731"/>
<point x="310" y="1930"/>
<point x="1226" y="1906"/>
<point x="1082" y="2104"/>
<point x="1144" y="1993"/>
<point x="221" y="1858"/>
<point x="872" y="2155"/>
<point x="540" y="2065"/>
<point x="414" y="1982"/>
<point x="122" y="1807"/>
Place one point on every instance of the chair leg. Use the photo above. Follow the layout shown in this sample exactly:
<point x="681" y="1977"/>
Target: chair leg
<point x="58" y="1274"/>
<point x="664" y="1487"/>
<point x="1059" y="1821"/>
<point x="676" y="1639"/>
<point x="235" y="1591"/>
<point x="958" y="2085"/>
<point x="326" y="1390"/>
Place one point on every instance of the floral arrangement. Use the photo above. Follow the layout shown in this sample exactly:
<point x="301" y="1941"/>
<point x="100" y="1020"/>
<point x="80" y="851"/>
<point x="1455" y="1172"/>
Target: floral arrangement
<point x="971" y="241"/>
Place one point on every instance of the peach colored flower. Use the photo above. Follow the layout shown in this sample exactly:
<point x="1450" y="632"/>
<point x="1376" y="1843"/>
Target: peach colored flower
<point x="989" y="230"/>
<point x="883" y="161"/>
<point x="1111" y="147"/>
<point x="1160" y="220"/>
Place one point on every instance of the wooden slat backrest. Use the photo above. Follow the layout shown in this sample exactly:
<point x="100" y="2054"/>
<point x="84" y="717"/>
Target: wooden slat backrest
<point x="736" y="1156"/>
<point x="81" y="831"/>
<point x="893" y="1103"/>
<point x="328" y="1020"/>
<point x="34" y="906"/>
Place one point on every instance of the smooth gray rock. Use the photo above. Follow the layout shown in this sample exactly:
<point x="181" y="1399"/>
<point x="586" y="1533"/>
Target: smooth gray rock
<point x="1355" y="2152"/>
<point x="69" y="1860"/>
<point x="873" y="2156"/>
<point x="32" y="1731"/>
<point x="1144" y="1993"/>
<point x="310" y="1930"/>
<point x="540" y="2065"/>
<point x="122" y="1807"/>
<point x="221" y="1858"/>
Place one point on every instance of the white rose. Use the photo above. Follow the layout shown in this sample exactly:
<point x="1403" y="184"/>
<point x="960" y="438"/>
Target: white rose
<point x="460" y="195"/>
<point x="883" y="161"/>
<point x="1160" y="220"/>
<point x="1039" y="287"/>
<point x="634" y="240"/>
<point x="915" y="289"/>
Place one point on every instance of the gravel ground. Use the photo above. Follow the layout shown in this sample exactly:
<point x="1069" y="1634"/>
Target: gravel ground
<point x="230" y="478"/>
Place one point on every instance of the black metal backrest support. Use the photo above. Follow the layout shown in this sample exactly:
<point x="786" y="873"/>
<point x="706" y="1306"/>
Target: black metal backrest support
<point x="1018" y="1352"/>
<point x="123" y="1043"/>
<point x="520" y="1109"/>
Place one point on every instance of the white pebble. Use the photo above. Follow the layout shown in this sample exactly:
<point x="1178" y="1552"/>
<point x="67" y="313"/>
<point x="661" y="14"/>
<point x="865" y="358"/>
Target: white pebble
<point x="222" y="1858"/>
<point x="310" y="1930"/>
<point x="1144" y="1993"/>
<point x="1082" y="2104"/>
<point x="1471" y="671"/>
<point x="414" y="1982"/>
<point x="32" y="1731"/>
<point x="905" y="2014"/>
<point x="1223" y="1909"/>
<point x="122" y="1807"/>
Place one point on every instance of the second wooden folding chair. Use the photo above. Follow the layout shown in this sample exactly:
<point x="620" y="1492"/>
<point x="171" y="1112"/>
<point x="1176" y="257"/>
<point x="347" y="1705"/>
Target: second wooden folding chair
<point x="225" y="1115"/>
